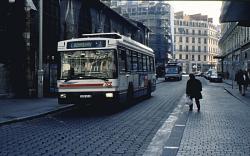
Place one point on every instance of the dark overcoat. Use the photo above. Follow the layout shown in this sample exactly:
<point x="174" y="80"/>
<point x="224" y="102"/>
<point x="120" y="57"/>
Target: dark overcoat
<point x="194" y="88"/>
<point x="240" y="78"/>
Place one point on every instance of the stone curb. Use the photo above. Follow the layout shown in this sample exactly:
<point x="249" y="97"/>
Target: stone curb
<point x="165" y="137"/>
<point x="172" y="145"/>
<point x="61" y="109"/>
<point x="235" y="96"/>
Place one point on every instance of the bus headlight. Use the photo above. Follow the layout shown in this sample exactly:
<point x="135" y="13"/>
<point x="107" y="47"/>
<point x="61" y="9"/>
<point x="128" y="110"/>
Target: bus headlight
<point x="109" y="95"/>
<point x="63" y="96"/>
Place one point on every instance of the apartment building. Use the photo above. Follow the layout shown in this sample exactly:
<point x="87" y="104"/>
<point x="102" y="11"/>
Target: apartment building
<point x="195" y="42"/>
<point x="159" y="18"/>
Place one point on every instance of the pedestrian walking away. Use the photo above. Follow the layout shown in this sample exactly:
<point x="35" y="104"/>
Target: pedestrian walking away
<point x="193" y="90"/>
<point x="248" y="76"/>
<point x="242" y="80"/>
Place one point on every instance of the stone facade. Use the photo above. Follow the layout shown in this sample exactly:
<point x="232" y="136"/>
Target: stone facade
<point x="196" y="42"/>
<point x="158" y="17"/>
<point x="235" y="47"/>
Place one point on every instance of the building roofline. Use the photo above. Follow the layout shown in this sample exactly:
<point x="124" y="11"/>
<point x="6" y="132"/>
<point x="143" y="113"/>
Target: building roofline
<point x="108" y="9"/>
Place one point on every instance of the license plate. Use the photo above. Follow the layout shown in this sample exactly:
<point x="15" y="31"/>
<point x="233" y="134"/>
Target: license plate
<point x="85" y="96"/>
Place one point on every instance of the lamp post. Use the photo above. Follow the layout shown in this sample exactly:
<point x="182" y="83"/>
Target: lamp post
<point x="40" y="56"/>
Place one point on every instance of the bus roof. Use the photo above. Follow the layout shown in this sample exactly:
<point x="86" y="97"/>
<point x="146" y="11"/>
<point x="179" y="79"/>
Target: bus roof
<point x="103" y="35"/>
<point x="116" y="37"/>
<point x="173" y="64"/>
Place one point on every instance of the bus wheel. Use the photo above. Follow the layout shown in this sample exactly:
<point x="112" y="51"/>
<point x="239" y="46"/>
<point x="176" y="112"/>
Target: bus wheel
<point x="130" y="93"/>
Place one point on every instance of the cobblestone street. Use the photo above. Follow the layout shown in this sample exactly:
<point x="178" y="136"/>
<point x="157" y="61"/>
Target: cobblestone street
<point x="221" y="128"/>
<point x="161" y="125"/>
<point x="91" y="132"/>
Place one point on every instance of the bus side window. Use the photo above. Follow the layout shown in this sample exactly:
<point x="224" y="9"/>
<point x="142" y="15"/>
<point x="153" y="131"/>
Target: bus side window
<point x="152" y="65"/>
<point x="144" y="59"/>
<point x="128" y="60"/>
<point x="140" y="63"/>
<point x="148" y="64"/>
<point x="134" y="61"/>
<point x="122" y="61"/>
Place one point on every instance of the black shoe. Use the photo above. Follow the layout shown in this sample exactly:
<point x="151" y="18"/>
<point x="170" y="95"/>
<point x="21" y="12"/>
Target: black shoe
<point x="243" y="94"/>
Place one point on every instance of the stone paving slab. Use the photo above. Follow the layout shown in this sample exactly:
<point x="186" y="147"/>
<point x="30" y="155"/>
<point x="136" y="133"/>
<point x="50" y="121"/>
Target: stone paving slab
<point x="221" y="128"/>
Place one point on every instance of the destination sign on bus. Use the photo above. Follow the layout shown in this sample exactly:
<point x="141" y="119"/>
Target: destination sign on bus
<point x="86" y="44"/>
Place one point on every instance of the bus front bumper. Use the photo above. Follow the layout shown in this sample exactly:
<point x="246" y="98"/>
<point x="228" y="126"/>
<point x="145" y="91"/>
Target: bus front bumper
<point x="87" y="97"/>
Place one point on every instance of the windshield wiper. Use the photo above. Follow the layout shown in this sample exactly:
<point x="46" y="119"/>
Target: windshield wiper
<point x="95" y="77"/>
<point x="80" y="77"/>
<point x="73" y="77"/>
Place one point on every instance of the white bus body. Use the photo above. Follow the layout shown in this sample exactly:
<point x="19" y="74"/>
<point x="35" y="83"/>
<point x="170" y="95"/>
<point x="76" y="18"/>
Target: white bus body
<point x="104" y="67"/>
<point x="173" y="71"/>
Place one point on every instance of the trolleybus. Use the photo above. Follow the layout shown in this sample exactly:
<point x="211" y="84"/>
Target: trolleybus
<point x="104" y="67"/>
<point x="173" y="70"/>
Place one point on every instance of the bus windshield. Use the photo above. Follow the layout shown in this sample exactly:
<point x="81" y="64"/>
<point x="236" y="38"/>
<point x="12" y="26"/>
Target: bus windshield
<point x="88" y="64"/>
<point x="172" y="70"/>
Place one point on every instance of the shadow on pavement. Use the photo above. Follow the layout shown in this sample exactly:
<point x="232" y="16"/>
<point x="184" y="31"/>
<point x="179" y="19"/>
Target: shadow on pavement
<point x="105" y="109"/>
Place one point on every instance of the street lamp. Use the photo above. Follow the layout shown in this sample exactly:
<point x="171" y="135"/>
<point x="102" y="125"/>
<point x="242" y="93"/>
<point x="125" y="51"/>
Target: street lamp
<point x="40" y="57"/>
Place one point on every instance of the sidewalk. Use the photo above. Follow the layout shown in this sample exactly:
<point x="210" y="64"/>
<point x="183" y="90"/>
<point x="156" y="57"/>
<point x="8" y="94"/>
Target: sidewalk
<point x="221" y="128"/>
<point x="232" y="88"/>
<point x="13" y="110"/>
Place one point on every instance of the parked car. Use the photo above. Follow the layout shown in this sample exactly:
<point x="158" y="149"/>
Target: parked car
<point x="199" y="74"/>
<point x="215" y="77"/>
<point x="209" y="73"/>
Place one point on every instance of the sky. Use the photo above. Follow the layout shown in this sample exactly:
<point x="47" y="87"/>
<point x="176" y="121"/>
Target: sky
<point x="210" y="8"/>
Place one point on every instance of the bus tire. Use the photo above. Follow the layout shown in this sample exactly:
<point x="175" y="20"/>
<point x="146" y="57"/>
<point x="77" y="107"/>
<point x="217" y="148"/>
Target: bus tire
<point x="130" y="93"/>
